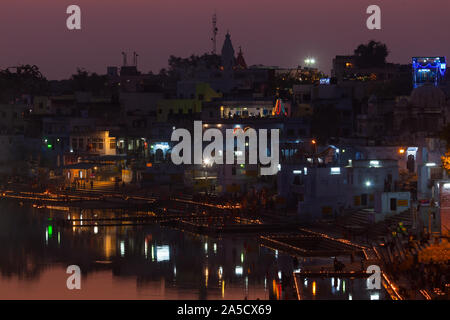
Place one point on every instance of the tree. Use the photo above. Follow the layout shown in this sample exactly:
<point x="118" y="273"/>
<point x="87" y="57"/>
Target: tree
<point x="26" y="80"/>
<point x="370" y="55"/>
<point x="85" y="81"/>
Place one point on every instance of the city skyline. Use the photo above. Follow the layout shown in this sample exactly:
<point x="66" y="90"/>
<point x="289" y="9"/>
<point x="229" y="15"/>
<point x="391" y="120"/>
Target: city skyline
<point x="281" y="34"/>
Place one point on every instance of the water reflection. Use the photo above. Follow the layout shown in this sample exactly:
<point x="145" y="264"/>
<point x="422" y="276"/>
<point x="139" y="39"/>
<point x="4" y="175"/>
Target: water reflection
<point x="338" y="289"/>
<point x="132" y="262"/>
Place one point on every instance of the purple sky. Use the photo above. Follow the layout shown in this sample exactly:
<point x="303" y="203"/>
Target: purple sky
<point x="281" y="32"/>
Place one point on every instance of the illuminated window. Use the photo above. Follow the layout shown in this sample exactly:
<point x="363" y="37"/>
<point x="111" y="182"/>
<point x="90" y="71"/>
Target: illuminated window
<point x="335" y="171"/>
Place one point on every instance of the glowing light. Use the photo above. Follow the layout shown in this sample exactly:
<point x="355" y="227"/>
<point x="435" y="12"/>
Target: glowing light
<point x="122" y="248"/>
<point x="162" y="253"/>
<point x="314" y="288"/>
<point x="146" y="248"/>
<point x="430" y="164"/>
<point x="223" y="288"/>
<point x="309" y="61"/>
<point x="336" y="170"/>
<point x="368" y="183"/>
<point x="238" y="270"/>
<point x="279" y="109"/>
<point x="374" y="163"/>
<point x="375" y="296"/>
<point x="297" y="172"/>
<point x="401" y="151"/>
<point x="163" y="146"/>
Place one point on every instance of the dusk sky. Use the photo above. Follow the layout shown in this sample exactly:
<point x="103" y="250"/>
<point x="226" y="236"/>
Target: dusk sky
<point x="281" y="32"/>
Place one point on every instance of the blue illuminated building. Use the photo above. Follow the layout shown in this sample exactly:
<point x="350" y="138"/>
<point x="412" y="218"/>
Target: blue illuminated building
<point x="428" y="70"/>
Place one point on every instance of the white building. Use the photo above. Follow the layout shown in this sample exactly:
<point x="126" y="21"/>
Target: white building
<point x="323" y="192"/>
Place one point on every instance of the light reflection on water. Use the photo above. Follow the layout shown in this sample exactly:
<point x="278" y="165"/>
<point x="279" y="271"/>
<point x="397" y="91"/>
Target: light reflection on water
<point x="144" y="262"/>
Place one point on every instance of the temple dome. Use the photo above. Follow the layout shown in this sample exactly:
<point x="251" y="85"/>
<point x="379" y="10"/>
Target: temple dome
<point x="428" y="96"/>
<point x="228" y="59"/>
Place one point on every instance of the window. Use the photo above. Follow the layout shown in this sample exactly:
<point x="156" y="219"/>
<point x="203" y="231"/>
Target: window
<point x="74" y="143"/>
<point x="80" y="143"/>
<point x="393" y="204"/>
<point x="112" y="143"/>
<point x="364" y="199"/>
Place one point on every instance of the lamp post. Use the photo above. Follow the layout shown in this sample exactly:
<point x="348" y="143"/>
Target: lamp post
<point x="310" y="61"/>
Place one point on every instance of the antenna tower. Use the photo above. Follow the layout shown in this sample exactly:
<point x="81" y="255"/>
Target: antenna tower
<point x="214" y="33"/>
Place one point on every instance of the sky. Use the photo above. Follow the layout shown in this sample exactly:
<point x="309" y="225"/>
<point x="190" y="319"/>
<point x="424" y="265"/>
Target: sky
<point x="271" y="32"/>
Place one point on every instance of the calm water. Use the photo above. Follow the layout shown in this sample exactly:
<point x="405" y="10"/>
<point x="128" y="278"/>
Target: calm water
<point x="145" y="262"/>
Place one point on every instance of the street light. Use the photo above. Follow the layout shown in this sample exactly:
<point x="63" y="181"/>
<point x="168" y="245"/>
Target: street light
<point x="310" y="61"/>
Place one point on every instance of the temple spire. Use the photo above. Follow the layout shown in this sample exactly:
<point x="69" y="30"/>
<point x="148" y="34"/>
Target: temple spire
<point x="228" y="59"/>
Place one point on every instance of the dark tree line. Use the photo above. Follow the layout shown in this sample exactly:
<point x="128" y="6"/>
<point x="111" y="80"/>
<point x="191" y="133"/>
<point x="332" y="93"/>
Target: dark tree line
<point x="371" y="55"/>
<point x="27" y="79"/>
